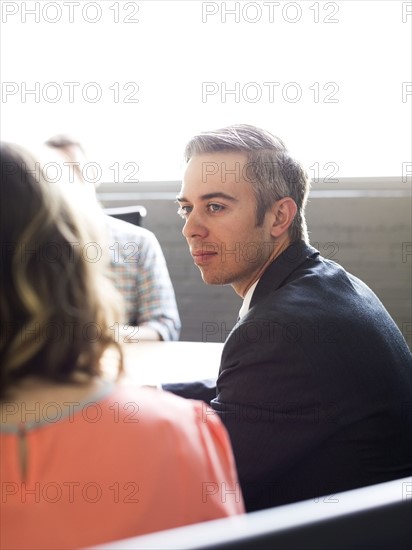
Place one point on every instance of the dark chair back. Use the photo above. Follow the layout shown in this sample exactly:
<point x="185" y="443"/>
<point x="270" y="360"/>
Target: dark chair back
<point x="130" y="214"/>
<point x="377" y="517"/>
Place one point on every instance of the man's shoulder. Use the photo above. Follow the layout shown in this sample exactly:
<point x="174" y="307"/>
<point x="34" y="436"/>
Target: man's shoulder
<point x="305" y="282"/>
<point x="319" y="297"/>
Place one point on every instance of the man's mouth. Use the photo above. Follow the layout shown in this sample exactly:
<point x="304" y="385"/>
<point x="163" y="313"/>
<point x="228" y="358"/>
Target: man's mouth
<point x="201" y="257"/>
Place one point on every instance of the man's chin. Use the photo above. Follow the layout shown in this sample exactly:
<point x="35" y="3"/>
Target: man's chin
<point x="213" y="279"/>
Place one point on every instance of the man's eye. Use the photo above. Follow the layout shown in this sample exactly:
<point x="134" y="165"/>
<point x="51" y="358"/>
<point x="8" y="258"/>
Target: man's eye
<point x="214" y="208"/>
<point x="183" y="211"/>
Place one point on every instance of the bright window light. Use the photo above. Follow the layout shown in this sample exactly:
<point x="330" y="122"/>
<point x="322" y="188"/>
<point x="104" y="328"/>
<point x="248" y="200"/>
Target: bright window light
<point x="134" y="80"/>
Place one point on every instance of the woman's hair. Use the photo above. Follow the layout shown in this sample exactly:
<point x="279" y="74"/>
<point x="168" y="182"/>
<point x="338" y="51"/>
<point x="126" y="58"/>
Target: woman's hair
<point x="57" y="302"/>
<point x="270" y="169"/>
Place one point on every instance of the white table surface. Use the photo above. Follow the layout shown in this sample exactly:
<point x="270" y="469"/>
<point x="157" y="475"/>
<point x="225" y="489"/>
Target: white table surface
<point x="154" y="363"/>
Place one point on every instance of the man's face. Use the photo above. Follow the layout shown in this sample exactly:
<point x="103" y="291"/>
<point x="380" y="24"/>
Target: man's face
<point x="219" y="209"/>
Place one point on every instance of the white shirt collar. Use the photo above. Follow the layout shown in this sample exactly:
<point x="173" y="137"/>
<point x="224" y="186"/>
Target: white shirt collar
<point x="246" y="300"/>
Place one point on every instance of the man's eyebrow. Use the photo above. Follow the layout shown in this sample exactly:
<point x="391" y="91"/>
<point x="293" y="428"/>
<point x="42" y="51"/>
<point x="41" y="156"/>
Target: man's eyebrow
<point x="208" y="196"/>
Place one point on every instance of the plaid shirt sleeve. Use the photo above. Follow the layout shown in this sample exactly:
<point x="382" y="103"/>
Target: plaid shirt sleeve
<point x="140" y="274"/>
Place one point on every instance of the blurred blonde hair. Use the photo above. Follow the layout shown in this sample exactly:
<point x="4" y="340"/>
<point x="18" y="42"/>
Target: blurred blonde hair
<point x="57" y="301"/>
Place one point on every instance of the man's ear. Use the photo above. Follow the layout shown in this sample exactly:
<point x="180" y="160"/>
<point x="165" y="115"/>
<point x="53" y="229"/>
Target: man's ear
<point x="284" y="212"/>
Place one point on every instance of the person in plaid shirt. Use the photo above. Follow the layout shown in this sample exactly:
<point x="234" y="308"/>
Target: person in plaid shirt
<point x="138" y="267"/>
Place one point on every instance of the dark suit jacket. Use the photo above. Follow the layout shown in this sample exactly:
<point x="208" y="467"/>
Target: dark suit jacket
<point x="314" y="387"/>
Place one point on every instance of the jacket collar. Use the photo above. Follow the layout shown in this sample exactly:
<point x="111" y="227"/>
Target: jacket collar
<point x="281" y="267"/>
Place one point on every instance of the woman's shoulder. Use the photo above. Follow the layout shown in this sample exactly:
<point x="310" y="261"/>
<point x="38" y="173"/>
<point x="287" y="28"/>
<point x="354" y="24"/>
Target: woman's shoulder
<point x="154" y="404"/>
<point x="158" y="411"/>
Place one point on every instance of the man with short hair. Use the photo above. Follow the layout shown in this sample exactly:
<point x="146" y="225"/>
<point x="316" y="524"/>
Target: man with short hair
<point x="315" y="378"/>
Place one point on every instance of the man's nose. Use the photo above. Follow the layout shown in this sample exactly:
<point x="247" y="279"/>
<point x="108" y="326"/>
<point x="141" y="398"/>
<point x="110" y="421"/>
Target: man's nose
<point x="194" y="226"/>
